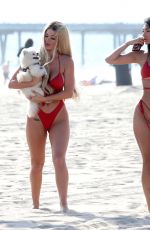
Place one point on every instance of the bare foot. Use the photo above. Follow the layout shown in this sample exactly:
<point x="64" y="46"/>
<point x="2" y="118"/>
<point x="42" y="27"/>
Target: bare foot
<point x="35" y="206"/>
<point x="64" y="209"/>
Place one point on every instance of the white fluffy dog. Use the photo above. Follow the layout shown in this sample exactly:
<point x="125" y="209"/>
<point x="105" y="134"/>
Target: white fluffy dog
<point x="30" y="66"/>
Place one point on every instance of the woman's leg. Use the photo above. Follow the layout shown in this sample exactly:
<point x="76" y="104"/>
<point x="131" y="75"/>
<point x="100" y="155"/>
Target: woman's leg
<point x="142" y="134"/>
<point x="59" y="137"/>
<point x="36" y="138"/>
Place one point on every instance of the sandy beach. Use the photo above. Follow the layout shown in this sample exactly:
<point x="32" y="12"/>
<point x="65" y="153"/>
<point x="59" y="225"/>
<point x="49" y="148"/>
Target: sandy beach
<point x="104" y="163"/>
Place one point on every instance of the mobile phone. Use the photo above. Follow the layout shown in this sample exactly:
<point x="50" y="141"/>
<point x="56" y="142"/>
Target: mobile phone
<point x="136" y="47"/>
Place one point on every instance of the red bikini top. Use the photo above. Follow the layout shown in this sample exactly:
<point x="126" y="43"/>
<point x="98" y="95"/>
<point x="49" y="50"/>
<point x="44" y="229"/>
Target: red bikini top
<point x="145" y="70"/>
<point x="57" y="83"/>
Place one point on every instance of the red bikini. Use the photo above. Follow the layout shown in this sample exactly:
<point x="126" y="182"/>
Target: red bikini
<point x="57" y="83"/>
<point x="145" y="73"/>
<point x="145" y="70"/>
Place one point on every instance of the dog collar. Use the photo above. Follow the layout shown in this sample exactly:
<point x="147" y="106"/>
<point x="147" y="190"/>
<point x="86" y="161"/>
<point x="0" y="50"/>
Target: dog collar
<point x="25" y="69"/>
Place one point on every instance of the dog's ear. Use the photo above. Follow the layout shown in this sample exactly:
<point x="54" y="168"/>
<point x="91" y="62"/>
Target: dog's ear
<point x="23" y="52"/>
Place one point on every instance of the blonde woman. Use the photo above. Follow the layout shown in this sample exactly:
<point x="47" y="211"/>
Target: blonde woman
<point x="52" y="119"/>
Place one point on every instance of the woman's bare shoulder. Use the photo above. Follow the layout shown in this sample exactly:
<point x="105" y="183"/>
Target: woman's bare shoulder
<point x="140" y="56"/>
<point x="66" y="59"/>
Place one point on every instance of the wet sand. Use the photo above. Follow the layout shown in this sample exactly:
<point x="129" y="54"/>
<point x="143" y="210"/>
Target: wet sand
<point x="103" y="159"/>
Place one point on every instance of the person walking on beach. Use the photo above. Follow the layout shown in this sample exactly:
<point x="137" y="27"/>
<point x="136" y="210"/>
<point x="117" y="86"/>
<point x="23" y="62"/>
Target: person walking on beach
<point x="5" y="70"/>
<point x="141" y="119"/>
<point x="29" y="43"/>
<point x="52" y="119"/>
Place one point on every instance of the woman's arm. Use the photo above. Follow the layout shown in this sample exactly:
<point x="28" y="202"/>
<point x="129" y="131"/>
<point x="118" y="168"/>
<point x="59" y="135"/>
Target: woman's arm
<point x="14" y="84"/>
<point x="116" y="57"/>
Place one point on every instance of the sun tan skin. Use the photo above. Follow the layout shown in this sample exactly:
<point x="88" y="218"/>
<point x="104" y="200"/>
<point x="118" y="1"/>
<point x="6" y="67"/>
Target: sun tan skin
<point x="58" y="133"/>
<point x="141" y="130"/>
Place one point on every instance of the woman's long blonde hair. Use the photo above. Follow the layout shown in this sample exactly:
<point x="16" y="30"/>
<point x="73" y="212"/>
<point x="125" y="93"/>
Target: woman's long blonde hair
<point x="62" y="47"/>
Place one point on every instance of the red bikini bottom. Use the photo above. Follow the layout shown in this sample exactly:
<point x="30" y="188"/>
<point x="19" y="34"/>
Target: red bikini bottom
<point x="47" y="119"/>
<point x="141" y="105"/>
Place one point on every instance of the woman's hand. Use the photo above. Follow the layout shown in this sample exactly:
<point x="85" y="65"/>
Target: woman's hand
<point x="37" y="98"/>
<point x="40" y="99"/>
<point x="138" y="40"/>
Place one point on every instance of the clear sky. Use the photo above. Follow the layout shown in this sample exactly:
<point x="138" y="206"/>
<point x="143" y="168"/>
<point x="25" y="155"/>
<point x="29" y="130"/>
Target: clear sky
<point x="74" y="11"/>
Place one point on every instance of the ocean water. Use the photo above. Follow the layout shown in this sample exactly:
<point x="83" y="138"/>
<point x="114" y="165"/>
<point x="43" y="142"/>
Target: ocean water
<point x="97" y="47"/>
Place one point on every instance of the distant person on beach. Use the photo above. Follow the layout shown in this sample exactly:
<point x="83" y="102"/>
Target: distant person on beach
<point x="141" y="120"/>
<point x="5" y="70"/>
<point x="52" y="119"/>
<point x="28" y="43"/>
